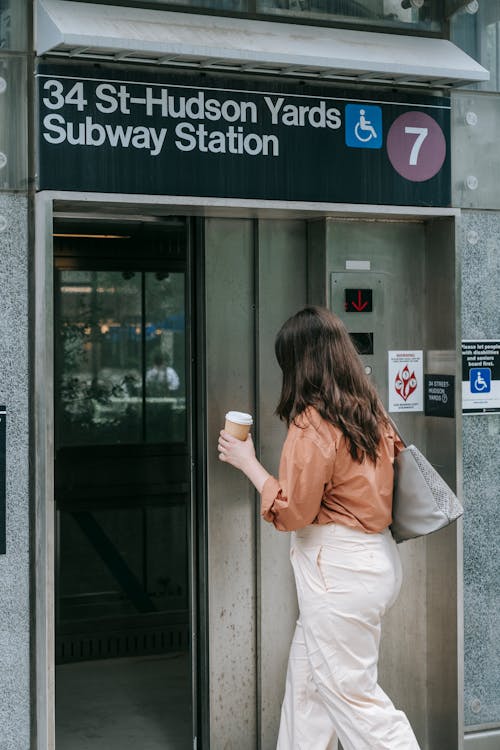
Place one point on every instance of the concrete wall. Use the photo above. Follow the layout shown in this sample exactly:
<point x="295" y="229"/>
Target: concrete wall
<point x="476" y="153"/>
<point x="14" y="389"/>
<point x="481" y="450"/>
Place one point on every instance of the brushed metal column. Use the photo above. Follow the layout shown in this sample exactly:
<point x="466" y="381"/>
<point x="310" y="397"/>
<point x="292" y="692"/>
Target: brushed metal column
<point x="282" y="291"/>
<point x="415" y="264"/>
<point x="231" y="505"/>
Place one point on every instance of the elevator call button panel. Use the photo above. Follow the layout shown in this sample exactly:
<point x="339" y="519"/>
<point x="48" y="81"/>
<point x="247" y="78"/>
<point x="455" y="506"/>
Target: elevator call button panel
<point x="358" y="297"/>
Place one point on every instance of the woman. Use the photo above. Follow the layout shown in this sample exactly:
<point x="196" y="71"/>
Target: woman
<point x="334" y="493"/>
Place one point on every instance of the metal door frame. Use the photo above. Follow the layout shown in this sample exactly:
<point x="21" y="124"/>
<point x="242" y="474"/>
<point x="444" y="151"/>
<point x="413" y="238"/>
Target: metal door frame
<point x="49" y="205"/>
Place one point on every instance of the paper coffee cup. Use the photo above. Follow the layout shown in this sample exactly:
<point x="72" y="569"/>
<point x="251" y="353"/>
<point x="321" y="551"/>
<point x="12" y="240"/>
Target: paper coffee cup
<point x="238" y="424"/>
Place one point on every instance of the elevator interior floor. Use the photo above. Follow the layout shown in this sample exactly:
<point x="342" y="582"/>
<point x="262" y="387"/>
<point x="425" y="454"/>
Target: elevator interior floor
<point x="124" y="704"/>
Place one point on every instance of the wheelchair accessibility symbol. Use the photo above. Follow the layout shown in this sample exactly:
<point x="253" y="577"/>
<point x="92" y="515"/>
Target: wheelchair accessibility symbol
<point x="480" y="380"/>
<point x="363" y="126"/>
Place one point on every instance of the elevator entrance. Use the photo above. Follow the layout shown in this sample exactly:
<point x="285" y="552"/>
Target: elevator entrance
<point x="143" y="506"/>
<point x="123" y="500"/>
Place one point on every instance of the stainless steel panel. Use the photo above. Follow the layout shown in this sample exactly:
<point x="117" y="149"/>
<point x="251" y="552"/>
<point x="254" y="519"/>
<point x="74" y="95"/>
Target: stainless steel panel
<point x="231" y="503"/>
<point x="43" y="460"/>
<point x="482" y="741"/>
<point x="412" y="274"/>
<point x="444" y="578"/>
<point x="395" y="251"/>
<point x="475" y="154"/>
<point x="317" y="278"/>
<point x="281" y="293"/>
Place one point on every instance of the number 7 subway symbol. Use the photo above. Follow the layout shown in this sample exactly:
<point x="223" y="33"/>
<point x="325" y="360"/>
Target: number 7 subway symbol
<point x="421" y="134"/>
<point x="416" y="146"/>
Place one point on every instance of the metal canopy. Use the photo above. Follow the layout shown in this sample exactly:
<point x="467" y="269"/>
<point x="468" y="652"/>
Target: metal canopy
<point x="104" y="32"/>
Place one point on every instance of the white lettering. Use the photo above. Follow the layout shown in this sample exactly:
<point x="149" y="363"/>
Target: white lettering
<point x="333" y="120"/>
<point x="141" y="137"/>
<point x="106" y="93"/>
<point x="158" y="139"/>
<point x="290" y="115"/>
<point x="119" y="135"/>
<point x="230" y="110"/>
<point x="90" y="129"/>
<point x="248" y="112"/>
<point x="195" y="106"/>
<point x="56" y="98"/>
<point x="212" y="109"/>
<point x="55" y="124"/>
<point x="232" y="141"/>
<point x="183" y="132"/>
<point x="217" y="143"/>
<point x="76" y="96"/>
<point x="79" y="138"/>
<point x="272" y="140"/>
<point x="317" y="116"/>
<point x="151" y="101"/>
<point x="274" y="108"/>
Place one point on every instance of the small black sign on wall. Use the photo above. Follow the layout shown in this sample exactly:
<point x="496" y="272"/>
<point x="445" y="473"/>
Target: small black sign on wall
<point x="3" y="529"/>
<point x="439" y="395"/>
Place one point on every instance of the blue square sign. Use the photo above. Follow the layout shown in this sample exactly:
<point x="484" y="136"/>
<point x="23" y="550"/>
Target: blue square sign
<point x="363" y="126"/>
<point x="480" y="380"/>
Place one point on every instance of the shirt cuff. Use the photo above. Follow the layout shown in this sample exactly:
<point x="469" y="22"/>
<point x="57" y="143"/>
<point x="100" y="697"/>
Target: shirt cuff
<point x="269" y="493"/>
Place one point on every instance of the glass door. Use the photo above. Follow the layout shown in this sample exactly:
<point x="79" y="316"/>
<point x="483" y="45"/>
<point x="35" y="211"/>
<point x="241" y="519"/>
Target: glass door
<point x="122" y="479"/>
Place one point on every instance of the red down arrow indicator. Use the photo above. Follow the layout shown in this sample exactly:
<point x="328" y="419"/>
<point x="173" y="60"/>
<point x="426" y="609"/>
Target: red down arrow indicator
<point x="358" y="300"/>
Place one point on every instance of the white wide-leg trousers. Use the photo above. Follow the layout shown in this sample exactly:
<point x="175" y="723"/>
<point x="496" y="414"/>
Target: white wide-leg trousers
<point x="346" y="580"/>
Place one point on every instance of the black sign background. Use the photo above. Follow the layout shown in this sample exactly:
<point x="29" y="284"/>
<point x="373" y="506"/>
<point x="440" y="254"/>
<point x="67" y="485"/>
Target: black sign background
<point x="439" y="396"/>
<point x="313" y="164"/>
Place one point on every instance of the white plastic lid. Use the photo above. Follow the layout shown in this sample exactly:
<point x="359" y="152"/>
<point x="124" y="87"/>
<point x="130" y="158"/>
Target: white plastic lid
<point x="239" y="417"/>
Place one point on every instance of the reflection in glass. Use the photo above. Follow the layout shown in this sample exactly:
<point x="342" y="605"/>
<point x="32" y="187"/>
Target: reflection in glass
<point x="237" y="6"/>
<point x="120" y="353"/>
<point x="152" y="543"/>
<point x="99" y="356"/>
<point x="13" y="122"/>
<point x="165" y="357"/>
<point x="373" y="12"/>
<point x="478" y="34"/>
<point x="13" y="25"/>
<point x="383" y="13"/>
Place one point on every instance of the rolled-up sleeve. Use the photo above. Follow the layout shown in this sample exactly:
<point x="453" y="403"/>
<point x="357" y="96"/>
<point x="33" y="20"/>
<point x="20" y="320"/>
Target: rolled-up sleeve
<point x="293" y="501"/>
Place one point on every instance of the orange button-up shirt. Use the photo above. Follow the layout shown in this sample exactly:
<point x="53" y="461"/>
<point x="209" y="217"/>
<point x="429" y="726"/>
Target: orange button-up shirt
<point x="319" y="482"/>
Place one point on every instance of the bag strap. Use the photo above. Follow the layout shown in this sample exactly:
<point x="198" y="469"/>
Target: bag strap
<point x="396" y="430"/>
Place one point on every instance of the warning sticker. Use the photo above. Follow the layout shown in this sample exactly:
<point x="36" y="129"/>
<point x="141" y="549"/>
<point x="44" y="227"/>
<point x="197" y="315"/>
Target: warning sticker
<point x="406" y="381"/>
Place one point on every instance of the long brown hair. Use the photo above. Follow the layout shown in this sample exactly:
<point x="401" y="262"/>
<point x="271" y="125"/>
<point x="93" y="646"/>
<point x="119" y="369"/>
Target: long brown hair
<point x="321" y="368"/>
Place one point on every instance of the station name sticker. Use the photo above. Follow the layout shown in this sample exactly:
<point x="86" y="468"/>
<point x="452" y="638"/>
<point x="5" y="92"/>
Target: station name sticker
<point x="439" y="395"/>
<point x="481" y="376"/>
<point x="406" y="381"/>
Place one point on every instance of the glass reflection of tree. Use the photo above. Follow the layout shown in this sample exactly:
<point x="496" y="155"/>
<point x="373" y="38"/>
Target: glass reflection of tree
<point x="112" y="325"/>
<point x="100" y="328"/>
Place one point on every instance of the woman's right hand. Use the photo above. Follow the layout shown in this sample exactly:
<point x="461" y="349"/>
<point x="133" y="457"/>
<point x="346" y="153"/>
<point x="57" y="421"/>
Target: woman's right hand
<point x="241" y="455"/>
<point x="238" y="453"/>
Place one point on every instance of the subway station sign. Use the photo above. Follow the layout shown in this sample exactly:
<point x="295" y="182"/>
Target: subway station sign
<point x="105" y="129"/>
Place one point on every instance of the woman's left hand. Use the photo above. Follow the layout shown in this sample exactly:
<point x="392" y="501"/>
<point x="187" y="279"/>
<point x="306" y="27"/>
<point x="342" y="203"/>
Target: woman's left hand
<point x="238" y="453"/>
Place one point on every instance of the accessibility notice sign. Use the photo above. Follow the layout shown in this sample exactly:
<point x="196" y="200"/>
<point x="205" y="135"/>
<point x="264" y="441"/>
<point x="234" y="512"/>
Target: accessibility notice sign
<point x="481" y="376"/>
